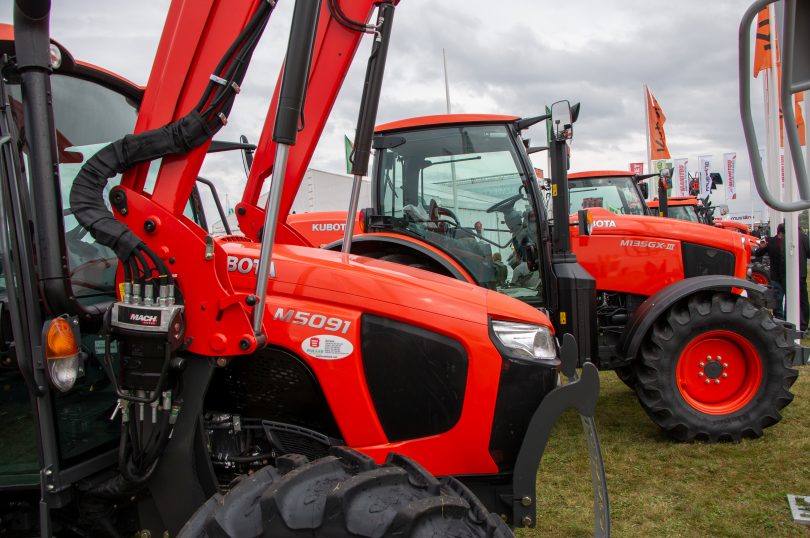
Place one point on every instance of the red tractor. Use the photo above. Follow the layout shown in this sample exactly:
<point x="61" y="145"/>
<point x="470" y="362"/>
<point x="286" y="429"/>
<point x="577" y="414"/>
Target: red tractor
<point x="676" y="318"/>
<point x="158" y="378"/>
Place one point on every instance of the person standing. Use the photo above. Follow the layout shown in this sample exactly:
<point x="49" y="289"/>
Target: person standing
<point x="775" y="249"/>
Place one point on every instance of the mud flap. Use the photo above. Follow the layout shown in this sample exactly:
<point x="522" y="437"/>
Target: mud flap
<point x="581" y="393"/>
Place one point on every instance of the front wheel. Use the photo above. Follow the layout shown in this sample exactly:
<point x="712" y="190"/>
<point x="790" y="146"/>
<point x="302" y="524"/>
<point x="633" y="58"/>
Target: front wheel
<point x="715" y="368"/>
<point x="345" y="494"/>
<point x="760" y="274"/>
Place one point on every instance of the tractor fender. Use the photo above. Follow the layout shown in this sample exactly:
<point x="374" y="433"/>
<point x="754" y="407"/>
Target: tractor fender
<point x="363" y="244"/>
<point x="655" y="305"/>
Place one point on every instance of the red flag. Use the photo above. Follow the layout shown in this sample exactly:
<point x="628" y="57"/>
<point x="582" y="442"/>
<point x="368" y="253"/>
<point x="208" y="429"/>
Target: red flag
<point x="656" y="119"/>
<point x="762" y="49"/>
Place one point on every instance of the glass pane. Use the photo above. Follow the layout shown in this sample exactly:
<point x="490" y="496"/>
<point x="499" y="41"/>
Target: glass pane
<point x="461" y="189"/>
<point x="616" y="194"/>
<point x="87" y="117"/>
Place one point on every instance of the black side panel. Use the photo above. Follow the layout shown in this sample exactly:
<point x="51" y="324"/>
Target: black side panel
<point x="416" y="378"/>
<point x="521" y="388"/>
<point x="700" y="260"/>
<point x="272" y="384"/>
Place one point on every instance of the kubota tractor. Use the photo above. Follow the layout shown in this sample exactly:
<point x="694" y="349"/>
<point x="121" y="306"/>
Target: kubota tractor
<point x="677" y="319"/>
<point x="157" y="378"/>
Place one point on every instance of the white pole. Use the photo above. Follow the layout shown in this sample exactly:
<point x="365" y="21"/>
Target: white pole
<point x="452" y="164"/>
<point x="772" y="96"/>
<point x="791" y="247"/>
<point x="647" y="133"/>
<point x="446" y="81"/>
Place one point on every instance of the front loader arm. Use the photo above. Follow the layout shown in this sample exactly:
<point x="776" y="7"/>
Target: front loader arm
<point x="335" y="48"/>
<point x="195" y="38"/>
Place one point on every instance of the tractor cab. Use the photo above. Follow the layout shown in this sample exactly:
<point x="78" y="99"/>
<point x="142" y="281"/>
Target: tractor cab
<point x="462" y="184"/>
<point x="617" y="191"/>
<point x="680" y="207"/>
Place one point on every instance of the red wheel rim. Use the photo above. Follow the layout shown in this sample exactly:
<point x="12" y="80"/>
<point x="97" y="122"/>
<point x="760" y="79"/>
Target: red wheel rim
<point x="759" y="278"/>
<point x="719" y="372"/>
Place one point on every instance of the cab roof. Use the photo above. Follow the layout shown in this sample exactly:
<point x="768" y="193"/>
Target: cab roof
<point x="442" y="120"/>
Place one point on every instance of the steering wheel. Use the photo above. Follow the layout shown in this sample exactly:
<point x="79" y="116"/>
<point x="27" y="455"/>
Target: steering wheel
<point x="506" y="204"/>
<point x="437" y="211"/>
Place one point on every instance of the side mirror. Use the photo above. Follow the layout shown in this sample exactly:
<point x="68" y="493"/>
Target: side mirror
<point x="645" y="189"/>
<point x="561" y="121"/>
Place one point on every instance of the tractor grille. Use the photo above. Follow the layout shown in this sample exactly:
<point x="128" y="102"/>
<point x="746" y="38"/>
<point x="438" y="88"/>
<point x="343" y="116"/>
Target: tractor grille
<point x="700" y="260"/>
<point x="275" y="385"/>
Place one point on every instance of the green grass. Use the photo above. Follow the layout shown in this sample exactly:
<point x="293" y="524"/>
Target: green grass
<point x="662" y="488"/>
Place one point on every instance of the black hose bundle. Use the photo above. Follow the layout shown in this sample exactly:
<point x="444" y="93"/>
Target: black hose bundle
<point x="177" y="138"/>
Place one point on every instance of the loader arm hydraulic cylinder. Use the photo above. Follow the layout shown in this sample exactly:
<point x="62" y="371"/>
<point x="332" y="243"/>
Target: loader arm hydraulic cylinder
<point x="368" y="113"/>
<point x="285" y="131"/>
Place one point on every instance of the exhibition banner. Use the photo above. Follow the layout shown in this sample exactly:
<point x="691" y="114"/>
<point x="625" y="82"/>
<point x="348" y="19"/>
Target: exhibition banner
<point x="658" y="167"/>
<point x="680" y="178"/>
<point x="729" y="163"/>
<point x="704" y="171"/>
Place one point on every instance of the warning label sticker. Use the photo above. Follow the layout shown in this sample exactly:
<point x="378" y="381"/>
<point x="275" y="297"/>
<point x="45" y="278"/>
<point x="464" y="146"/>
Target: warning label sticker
<point x="327" y="347"/>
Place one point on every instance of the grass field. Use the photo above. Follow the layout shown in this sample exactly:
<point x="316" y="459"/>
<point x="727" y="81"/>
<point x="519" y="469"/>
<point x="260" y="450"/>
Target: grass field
<point x="662" y="488"/>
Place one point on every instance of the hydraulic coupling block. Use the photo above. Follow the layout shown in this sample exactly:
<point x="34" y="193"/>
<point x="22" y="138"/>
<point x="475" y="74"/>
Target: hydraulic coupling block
<point x="149" y="331"/>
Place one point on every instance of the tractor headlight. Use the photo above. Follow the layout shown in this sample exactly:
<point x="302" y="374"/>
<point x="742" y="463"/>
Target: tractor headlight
<point x="526" y="341"/>
<point x="61" y="353"/>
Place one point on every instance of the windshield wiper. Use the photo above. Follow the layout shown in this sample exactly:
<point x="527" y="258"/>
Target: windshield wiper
<point x="431" y="163"/>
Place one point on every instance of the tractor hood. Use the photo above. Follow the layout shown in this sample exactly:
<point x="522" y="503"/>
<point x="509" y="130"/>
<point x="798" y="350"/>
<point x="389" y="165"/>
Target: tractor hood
<point x="370" y="285"/>
<point x="663" y="229"/>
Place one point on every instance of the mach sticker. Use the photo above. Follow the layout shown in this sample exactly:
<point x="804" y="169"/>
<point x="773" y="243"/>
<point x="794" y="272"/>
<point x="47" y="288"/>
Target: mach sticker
<point x="647" y="244"/>
<point x="328" y="227"/>
<point x="602" y="223"/>
<point x="143" y="319"/>
<point x="327" y="347"/>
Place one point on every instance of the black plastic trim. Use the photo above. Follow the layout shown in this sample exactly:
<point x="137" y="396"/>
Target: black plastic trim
<point x="417" y="378"/>
<point x="703" y="260"/>
<point x="655" y="305"/>
<point x="522" y="386"/>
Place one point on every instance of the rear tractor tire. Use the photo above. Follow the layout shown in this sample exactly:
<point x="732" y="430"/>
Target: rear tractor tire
<point x="627" y="375"/>
<point x="715" y="368"/>
<point x="345" y="494"/>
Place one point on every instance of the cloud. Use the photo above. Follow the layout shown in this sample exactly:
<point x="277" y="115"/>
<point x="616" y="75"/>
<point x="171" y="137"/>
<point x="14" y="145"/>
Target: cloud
<point x="512" y="57"/>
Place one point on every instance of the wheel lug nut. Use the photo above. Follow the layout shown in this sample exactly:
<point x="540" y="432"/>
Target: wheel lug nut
<point x="725" y="365"/>
<point x="725" y="374"/>
<point x="708" y="381"/>
<point x="716" y="381"/>
<point x="708" y="357"/>
<point x="719" y="358"/>
<point x="702" y="364"/>
<point x="700" y="374"/>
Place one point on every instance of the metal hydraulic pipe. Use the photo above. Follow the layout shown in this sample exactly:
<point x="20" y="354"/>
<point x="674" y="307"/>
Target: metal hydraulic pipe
<point x="269" y="235"/>
<point x="285" y="131"/>
<point x="367" y="115"/>
<point x="357" y="183"/>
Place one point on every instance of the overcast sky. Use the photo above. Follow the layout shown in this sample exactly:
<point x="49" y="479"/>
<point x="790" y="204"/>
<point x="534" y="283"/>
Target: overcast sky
<point x="508" y="57"/>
